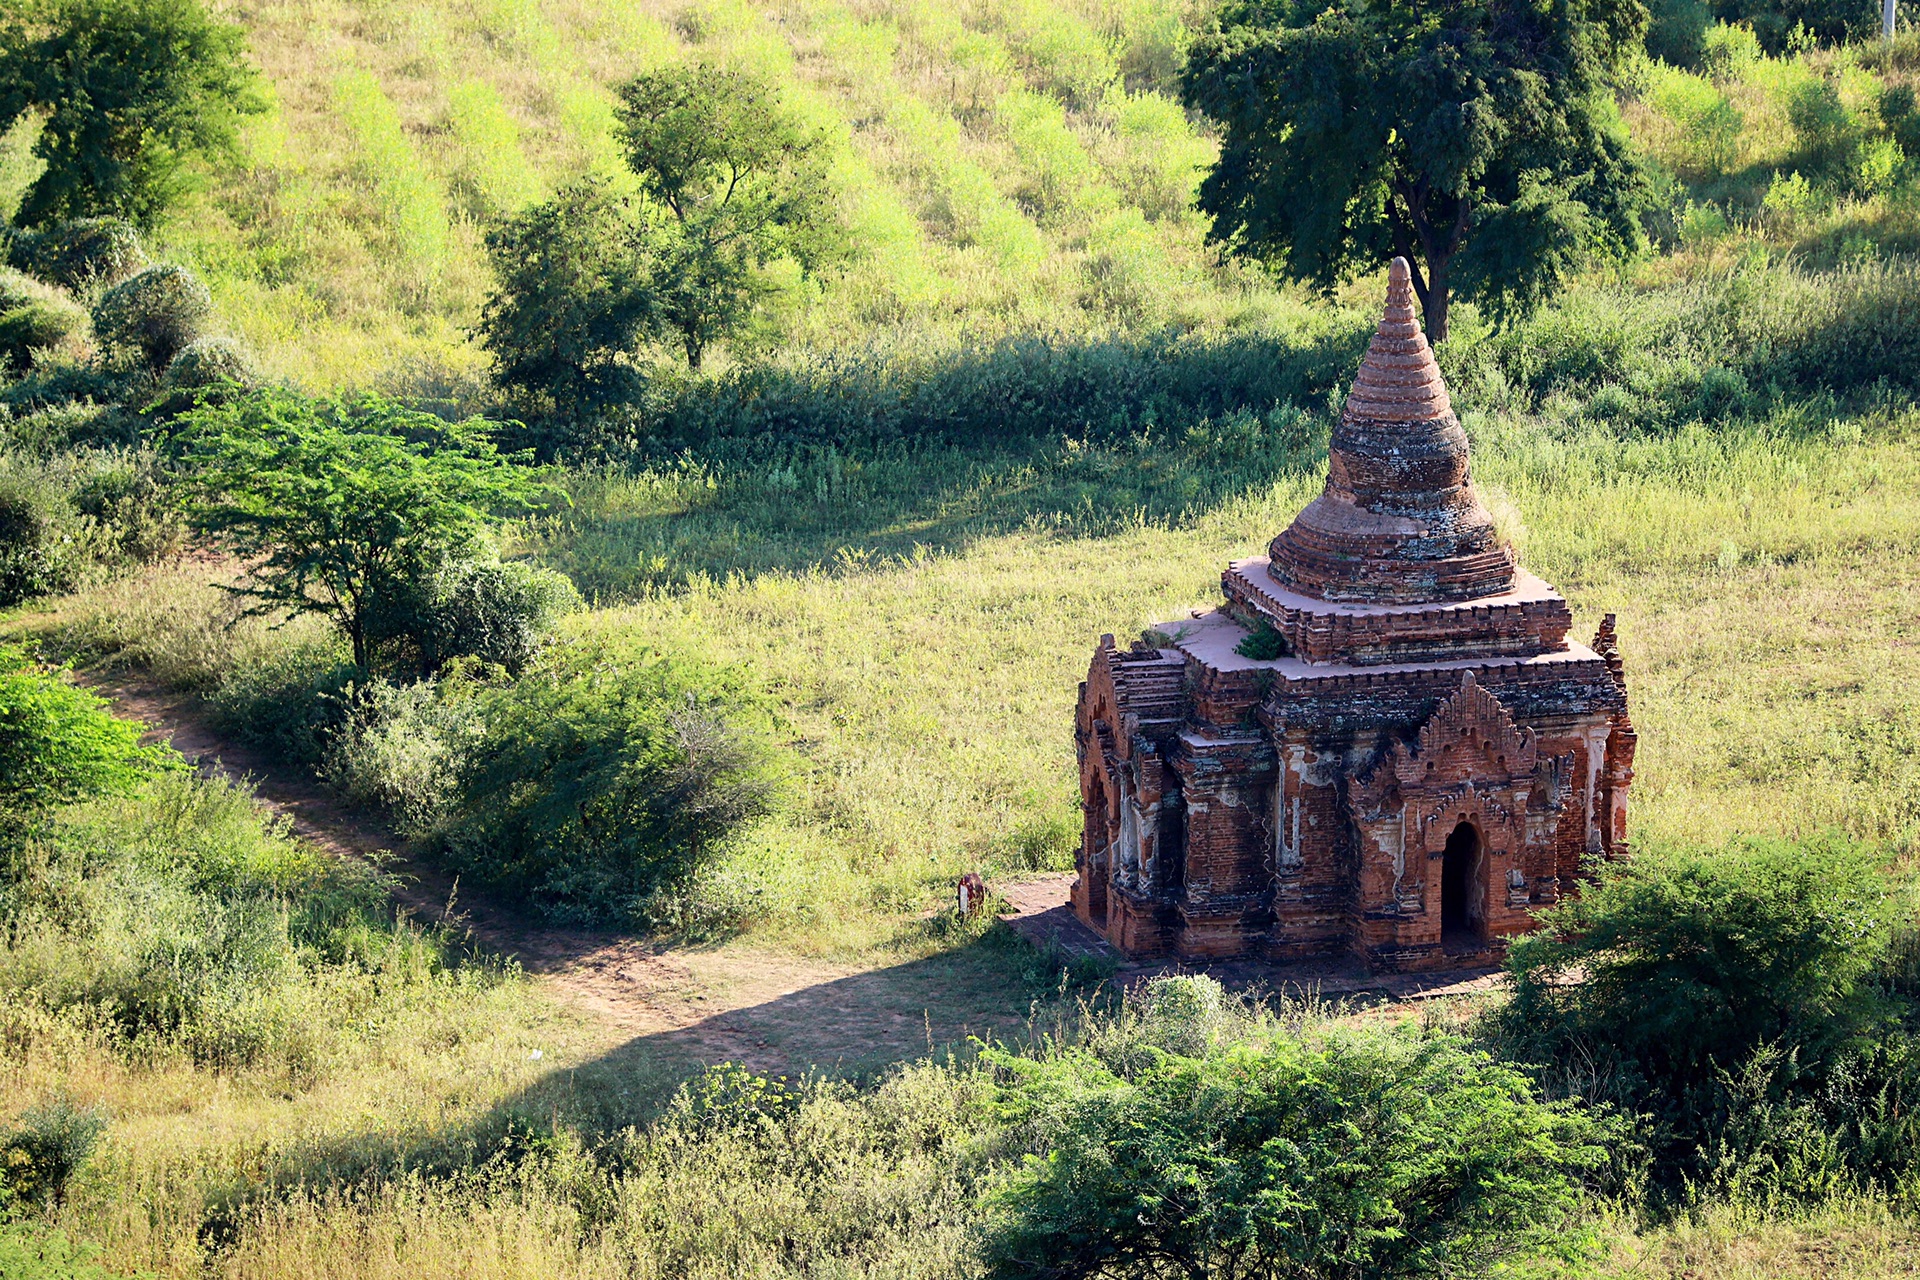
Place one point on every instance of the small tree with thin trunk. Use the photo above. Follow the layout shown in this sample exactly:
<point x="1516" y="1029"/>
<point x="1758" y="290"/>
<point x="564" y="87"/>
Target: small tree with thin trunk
<point x="1478" y="139"/>
<point x="341" y="505"/>
<point x="743" y="183"/>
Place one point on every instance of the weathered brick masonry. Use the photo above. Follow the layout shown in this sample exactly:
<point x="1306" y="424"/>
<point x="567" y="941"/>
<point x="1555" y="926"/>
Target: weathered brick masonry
<point x="1426" y="761"/>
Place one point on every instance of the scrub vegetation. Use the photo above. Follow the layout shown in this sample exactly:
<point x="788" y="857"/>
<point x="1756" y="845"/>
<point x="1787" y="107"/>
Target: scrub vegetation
<point x="697" y="559"/>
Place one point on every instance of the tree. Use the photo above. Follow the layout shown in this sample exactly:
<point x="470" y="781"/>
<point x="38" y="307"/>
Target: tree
<point x="743" y="183"/>
<point x="132" y="91"/>
<point x="1478" y="139"/>
<point x="341" y="505"/>
<point x="574" y="300"/>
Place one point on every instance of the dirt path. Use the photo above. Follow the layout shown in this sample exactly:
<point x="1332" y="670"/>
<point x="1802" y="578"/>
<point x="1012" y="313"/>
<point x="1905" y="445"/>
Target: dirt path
<point x="768" y="1010"/>
<point x="634" y="986"/>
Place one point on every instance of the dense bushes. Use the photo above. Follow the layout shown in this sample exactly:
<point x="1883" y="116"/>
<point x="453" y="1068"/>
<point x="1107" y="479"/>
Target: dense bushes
<point x="156" y="314"/>
<point x="599" y="781"/>
<point x="81" y="253"/>
<point x="67" y="519"/>
<point x="1748" y="1002"/>
<point x="1344" y="1153"/>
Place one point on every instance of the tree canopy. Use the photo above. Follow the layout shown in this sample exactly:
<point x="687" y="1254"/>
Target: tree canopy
<point x="574" y="299"/>
<point x="1476" y="138"/>
<point x="743" y="182"/>
<point x="131" y="90"/>
<point x="342" y="505"/>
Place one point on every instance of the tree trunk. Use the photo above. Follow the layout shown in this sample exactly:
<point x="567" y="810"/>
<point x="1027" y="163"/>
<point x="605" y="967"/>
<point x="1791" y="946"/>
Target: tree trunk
<point x="695" y="349"/>
<point x="1439" y="294"/>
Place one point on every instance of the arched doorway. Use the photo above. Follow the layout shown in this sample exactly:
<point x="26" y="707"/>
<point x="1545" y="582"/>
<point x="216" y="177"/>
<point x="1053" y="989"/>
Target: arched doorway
<point x="1095" y="841"/>
<point x="1462" y="921"/>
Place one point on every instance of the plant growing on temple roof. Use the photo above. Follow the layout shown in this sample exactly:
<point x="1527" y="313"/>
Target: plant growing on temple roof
<point x="343" y="505"/>
<point x="1478" y="139"/>
<point x="133" y="93"/>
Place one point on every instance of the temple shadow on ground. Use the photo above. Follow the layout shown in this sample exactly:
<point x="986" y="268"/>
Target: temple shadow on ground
<point x="993" y="987"/>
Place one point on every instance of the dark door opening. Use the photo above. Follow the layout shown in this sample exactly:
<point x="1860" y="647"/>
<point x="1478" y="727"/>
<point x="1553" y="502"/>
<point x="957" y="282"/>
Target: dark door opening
<point x="1459" y="904"/>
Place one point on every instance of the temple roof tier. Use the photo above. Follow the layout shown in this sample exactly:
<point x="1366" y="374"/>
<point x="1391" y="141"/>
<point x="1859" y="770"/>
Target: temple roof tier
<point x="1399" y="522"/>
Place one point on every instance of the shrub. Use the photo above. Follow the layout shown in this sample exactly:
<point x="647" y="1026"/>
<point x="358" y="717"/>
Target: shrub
<point x="398" y="750"/>
<point x="30" y="1252"/>
<point x="36" y="326"/>
<point x="59" y="743"/>
<point x="1350" y="1153"/>
<point x="157" y="314"/>
<point x="45" y="1148"/>
<point x="470" y="608"/>
<point x="289" y="701"/>
<point x="1691" y="964"/>
<point x="209" y="362"/>
<point x="38" y="554"/>
<point x="84" y="253"/>
<point x="600" y="780"/>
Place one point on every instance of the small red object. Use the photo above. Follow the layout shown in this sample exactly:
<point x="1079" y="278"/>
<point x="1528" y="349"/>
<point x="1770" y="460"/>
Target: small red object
<point x="972" y="892"/>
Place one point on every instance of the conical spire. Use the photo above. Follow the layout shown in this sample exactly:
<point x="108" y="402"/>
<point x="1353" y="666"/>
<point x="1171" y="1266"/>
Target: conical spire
<point x="1399" y="522"/>
<point x="1398" y="381"/>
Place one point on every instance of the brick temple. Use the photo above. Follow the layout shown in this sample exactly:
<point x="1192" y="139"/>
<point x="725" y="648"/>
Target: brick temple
<point x="1381" y="742"/>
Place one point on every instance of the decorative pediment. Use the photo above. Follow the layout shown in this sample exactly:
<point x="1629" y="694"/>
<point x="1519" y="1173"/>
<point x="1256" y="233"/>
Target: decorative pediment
<point x="1471" y="735"/>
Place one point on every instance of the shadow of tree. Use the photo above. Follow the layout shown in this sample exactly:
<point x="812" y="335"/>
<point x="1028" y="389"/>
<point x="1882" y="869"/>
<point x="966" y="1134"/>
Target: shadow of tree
<point x="838" y="464"/>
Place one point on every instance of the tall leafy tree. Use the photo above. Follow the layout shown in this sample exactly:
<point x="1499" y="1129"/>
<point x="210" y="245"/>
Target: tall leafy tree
<point x="743" y="183"/>
<point x="1478" y="139"/>
<point x="132" y="91"/>
<point x="340" y="506"/>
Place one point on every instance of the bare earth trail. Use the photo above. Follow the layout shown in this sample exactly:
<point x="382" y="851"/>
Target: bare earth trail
<point x="767" y="1010"/>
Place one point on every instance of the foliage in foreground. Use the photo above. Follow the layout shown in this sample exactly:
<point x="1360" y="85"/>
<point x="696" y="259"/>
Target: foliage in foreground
<point x="1754" y="1004"/>
<point x="1344" y="1153"/>
<point x="59" y="744"/>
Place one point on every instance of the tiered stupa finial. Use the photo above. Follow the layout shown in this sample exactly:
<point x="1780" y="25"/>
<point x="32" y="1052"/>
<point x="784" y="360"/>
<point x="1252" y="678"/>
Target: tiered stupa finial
<point x="1398" y="381"/>
<point x="1399" y="522"/>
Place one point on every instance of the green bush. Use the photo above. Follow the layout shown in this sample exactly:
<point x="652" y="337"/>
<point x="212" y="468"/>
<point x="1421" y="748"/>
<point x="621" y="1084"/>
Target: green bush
<point x="30" y="1252"/>
<point x="36" y="326"/>
<point x="290" y="702"/>
<point x="83" y="253"/>
<point x="1277" y="1155"/>
<point x="185" y="918"/>
<point x="59" y="744"/>
<point x="37" y="555"/>
<point x="210" y="362"/>
<point x="470" y="608"/>
<point x="600" y="780"/>
<point x="1754" y="972"/>
<point x="45" y="1148"/>
<point x="156" y="314"/>
<point x="398" y="750"/>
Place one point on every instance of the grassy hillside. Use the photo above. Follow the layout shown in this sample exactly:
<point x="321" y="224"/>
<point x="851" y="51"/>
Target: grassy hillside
<point x="1000" y="165"/>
